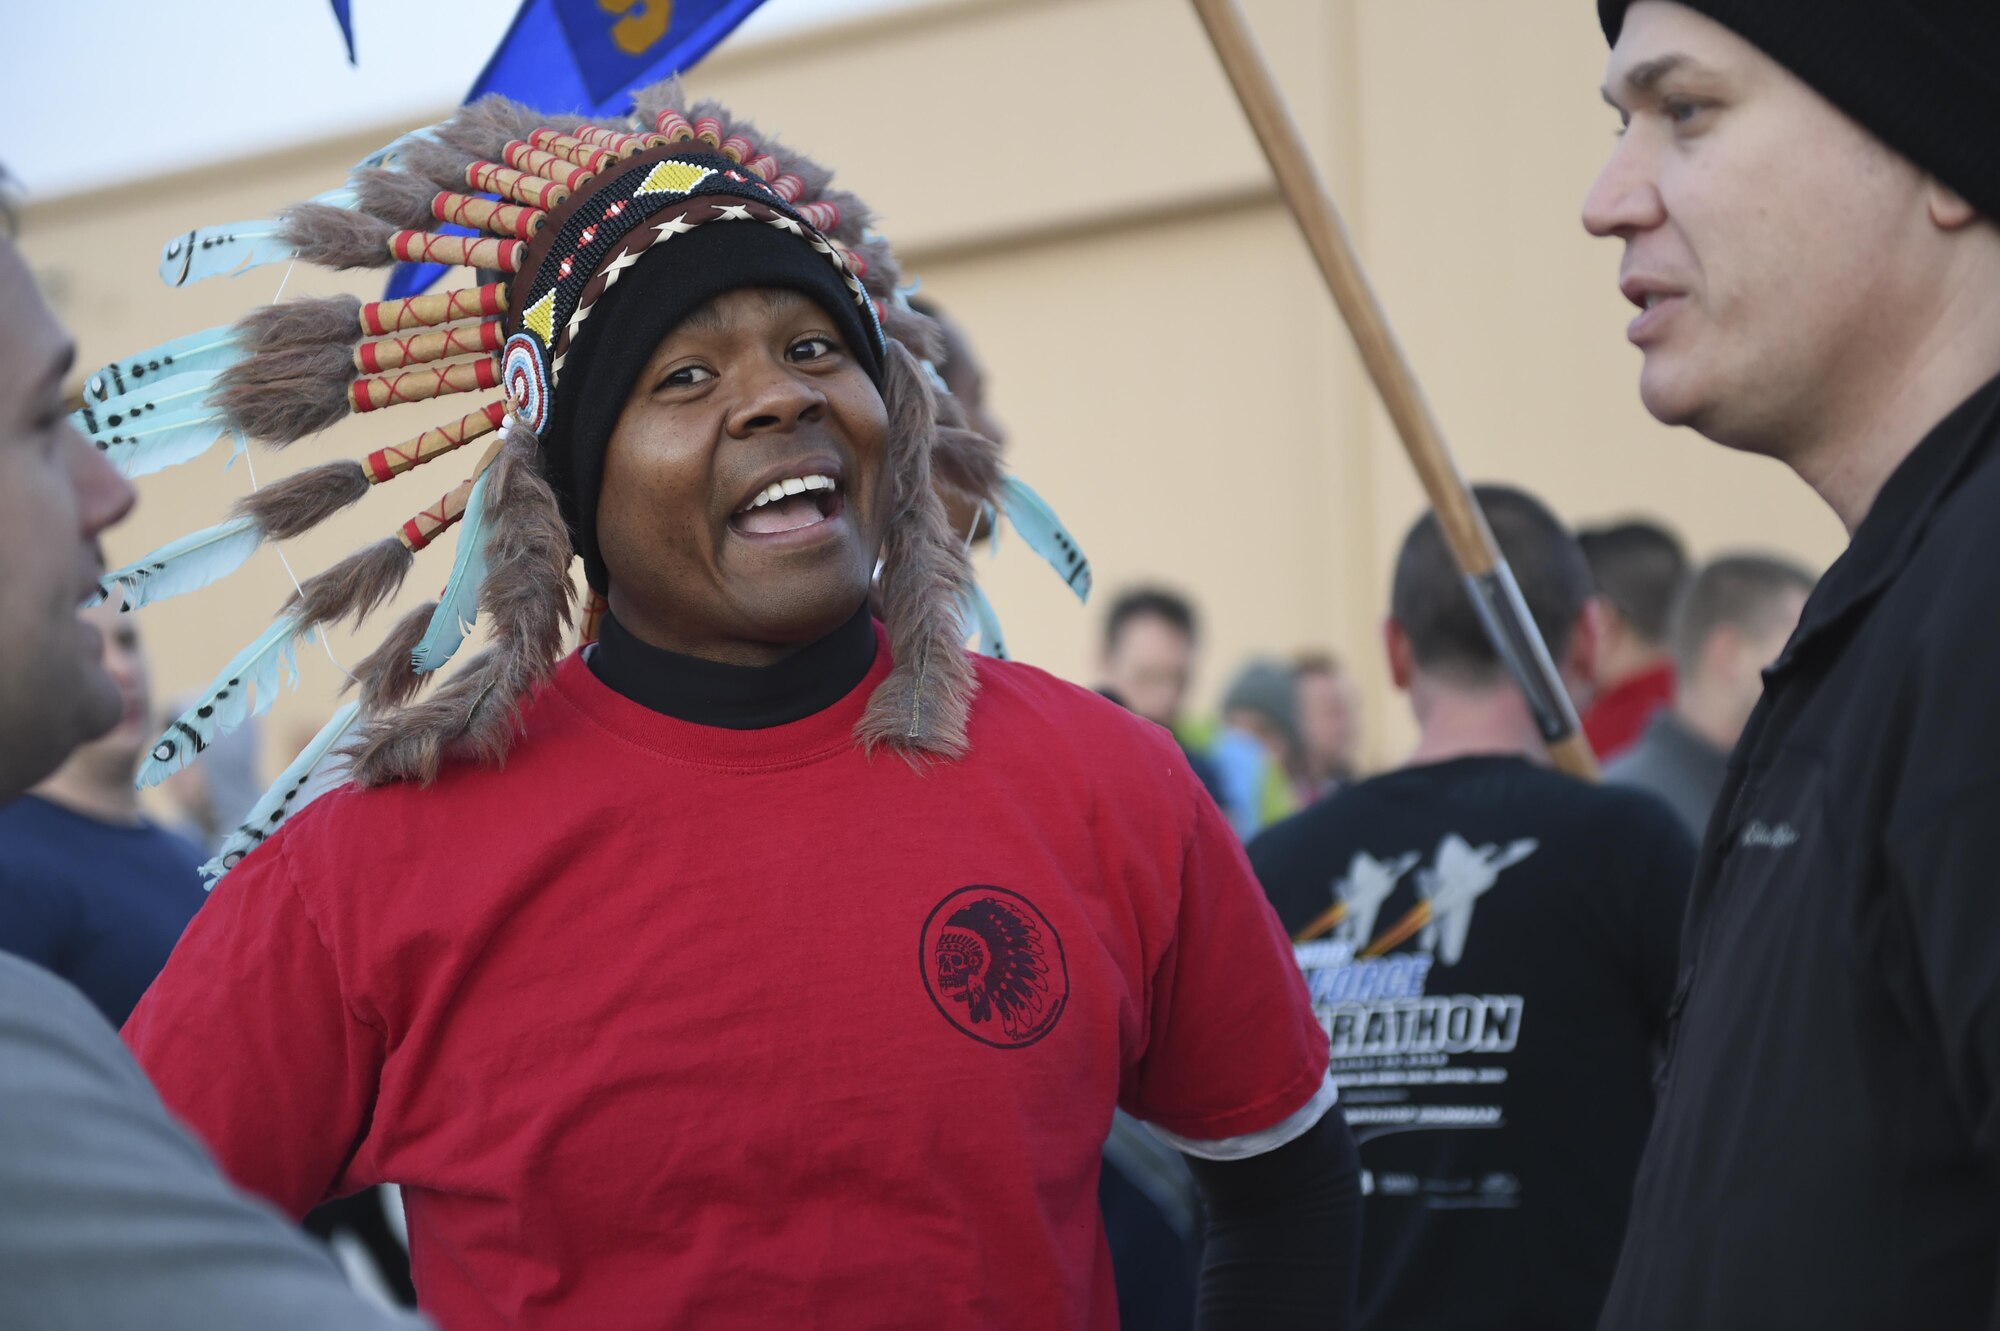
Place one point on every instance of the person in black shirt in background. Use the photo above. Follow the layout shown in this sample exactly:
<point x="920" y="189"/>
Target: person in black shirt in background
<point x="1497" y="951"/>
<point x="1806" y="197"/>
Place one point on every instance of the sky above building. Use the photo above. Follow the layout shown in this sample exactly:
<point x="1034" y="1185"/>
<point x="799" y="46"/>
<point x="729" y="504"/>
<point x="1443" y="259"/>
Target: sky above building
<point x="99" y="91"/>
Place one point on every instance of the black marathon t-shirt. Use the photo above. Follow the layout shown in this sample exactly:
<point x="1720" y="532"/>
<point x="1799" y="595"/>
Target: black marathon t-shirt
<point x="1495" y="991"/>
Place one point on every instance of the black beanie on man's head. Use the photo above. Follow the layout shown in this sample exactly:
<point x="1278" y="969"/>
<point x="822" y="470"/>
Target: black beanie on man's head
<point x="1923" y="76"/>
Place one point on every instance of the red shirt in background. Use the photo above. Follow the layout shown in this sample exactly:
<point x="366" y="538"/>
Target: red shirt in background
<point x="670" y="1025"/>
<point x="1618" y="716"/>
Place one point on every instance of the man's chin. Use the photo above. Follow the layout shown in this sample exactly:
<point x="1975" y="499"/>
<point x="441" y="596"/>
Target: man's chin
<point x="1668" y="395"/>
<point x="805" y="614"/>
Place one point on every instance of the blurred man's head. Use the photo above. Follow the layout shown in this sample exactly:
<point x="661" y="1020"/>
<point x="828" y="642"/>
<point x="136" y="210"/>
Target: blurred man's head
<point x="56" y="495"/>
<point x="109" y="761"/>
<point x="1734" y="620"/>
<point x="1638" y="569"/>
<point x="1794" y="273"/>
<point x="1262" y="701"/>
<point x="1437" y="644"/>
<point x="1149" y="647"/>
<point x="1329" y="710"/>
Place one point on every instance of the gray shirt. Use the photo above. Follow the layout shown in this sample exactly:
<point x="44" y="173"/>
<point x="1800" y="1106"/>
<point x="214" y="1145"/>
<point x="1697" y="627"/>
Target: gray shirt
<point x="1676" y="764"/>
<point x="111" y="1215"/>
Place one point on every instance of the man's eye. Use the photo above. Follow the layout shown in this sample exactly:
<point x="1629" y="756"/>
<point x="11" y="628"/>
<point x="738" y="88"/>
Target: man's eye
<point x="1681" y="111"/>
<point x="687" y="376"/>
<point x="812" y="348"/>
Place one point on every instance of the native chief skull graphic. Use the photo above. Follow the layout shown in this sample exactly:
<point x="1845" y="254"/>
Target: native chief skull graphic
<point x="995" y="966"/>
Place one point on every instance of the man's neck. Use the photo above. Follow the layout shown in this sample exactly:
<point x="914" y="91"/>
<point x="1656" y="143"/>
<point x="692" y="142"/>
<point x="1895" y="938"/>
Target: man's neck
<point x="1716" y="721"/>
<point x="89" y="794"/>
<point x="1868" y="432"/>
<point x="1456" y="722"/>
<point x="1634" y="661"/>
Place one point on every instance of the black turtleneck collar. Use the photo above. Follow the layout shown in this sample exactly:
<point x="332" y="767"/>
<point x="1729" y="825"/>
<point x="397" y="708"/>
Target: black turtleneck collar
<point x="709" y="693"/>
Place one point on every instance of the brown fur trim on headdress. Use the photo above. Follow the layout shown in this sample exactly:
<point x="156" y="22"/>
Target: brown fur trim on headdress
<point x="440" y="163"/>
<point x="484" y="128"/>
<point x="968" y="462"/>
<point x="336" y="237"/>
<point x="397" y="197"/>
<point x="355" y="587"/>
<point x="284" y="396"/>
<point x="385" y="675"/>
<point x="921" y="708"/>
<point x="312" y="322"/>
<point x="303" y="500"/>
<point x="526" y="598"/>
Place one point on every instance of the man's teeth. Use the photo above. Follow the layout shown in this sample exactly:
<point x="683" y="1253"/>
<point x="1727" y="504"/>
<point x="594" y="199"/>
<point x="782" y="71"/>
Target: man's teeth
<point x="1654" y="298"/>
<point x="796" y="485"/>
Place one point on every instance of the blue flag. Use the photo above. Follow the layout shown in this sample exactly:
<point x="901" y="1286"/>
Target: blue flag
<point x="343" y="14"/>
<point x="586" y="56"/>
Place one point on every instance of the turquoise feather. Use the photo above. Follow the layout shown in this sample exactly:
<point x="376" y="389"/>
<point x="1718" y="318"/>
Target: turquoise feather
<point x="317" y="770"/>
<point x="991" y="643"/>
<point x="210" y="349"/>
<point x="216" y="251"/>
<point x="179" y="396"/>
<point x="247" y="687"/>
<point x="184" y="565"/>
<point x="1045" y="534"/>
<point x="169" y="443"/>
<point x="458" y="608"/>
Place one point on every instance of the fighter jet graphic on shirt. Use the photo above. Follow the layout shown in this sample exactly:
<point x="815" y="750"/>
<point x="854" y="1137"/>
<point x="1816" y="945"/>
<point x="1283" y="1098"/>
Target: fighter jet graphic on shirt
<point x="1449" y="889"/>
<point x="1367" y="885"/>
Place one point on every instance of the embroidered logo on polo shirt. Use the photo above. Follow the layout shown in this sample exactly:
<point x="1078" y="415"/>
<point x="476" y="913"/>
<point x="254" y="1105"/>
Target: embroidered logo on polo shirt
<point x="994" y="966"/>
<point x="1760" y="834"/>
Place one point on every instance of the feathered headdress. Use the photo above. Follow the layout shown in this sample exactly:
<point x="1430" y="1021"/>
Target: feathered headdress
<point x="564" y="207"/>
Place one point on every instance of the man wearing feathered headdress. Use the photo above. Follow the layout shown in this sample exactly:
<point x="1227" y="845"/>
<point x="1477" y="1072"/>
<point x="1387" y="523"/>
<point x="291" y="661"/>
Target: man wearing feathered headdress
<point x="789" y="969"/>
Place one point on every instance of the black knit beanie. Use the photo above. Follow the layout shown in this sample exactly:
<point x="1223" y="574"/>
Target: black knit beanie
<point x="1923" y="76"/>
<point x="668" y="284"/>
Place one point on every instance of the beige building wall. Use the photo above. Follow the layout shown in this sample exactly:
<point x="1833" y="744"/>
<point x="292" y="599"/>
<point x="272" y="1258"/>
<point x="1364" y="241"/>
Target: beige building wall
<point x="1072" y="179"/>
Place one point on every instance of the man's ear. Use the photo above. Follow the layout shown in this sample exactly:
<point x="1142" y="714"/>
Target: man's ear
<point x="1948" y="208"/>
<point x="1723" y="656"/>
<point x="1579" y="658"/>
<point x="1402" y="660"/>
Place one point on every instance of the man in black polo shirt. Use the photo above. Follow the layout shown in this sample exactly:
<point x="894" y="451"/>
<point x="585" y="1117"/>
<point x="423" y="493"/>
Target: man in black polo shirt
<point x="1496" y="948"/>
<point x="1804" y="194"/>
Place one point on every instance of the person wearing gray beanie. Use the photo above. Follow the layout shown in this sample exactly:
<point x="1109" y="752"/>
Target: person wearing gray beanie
<point x="1806" y="198"/>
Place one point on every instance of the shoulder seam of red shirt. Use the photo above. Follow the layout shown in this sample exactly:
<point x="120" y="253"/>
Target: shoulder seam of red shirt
<point x="376" y="1025"/>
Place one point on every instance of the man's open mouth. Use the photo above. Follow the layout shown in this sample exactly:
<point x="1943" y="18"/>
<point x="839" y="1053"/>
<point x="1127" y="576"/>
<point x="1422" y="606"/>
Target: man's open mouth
<point x="788" y="505"/>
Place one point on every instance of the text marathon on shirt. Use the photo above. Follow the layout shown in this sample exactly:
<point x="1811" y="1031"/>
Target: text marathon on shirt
<point x="1388" y="1028"/>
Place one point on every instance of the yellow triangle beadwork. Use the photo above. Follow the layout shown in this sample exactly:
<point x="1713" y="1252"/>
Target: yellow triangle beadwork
<point x="541" y="317"/>
<point x="673" y="178"/>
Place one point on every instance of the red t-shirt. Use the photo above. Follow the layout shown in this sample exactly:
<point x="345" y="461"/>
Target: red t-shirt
<point x="1614" y="722"/>
<point x="669" y="1025"/>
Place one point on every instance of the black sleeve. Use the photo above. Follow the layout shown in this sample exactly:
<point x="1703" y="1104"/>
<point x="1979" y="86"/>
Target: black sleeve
<point x="1284" y="1235"/>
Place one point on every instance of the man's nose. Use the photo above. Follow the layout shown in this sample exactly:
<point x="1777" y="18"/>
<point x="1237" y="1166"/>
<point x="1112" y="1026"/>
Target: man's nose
<point x="103" y="496"/>
<point x="776" y="401"/>
<point x="1624" y="200"/>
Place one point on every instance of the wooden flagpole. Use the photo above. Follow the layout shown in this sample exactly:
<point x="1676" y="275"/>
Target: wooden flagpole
<point x="1488" y="579"/>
